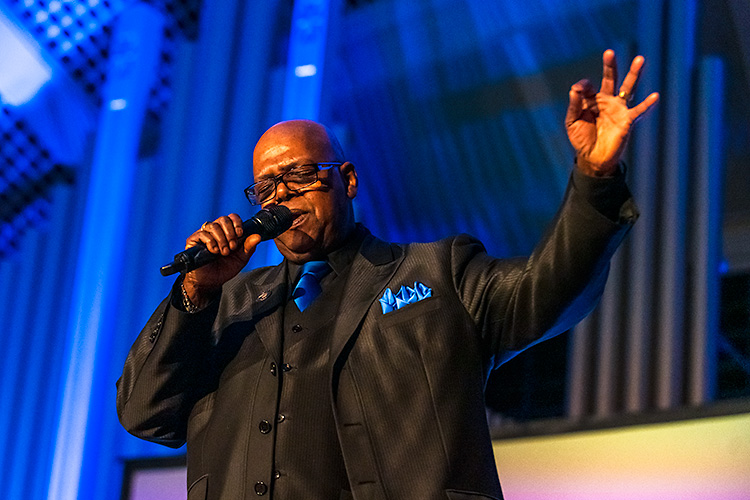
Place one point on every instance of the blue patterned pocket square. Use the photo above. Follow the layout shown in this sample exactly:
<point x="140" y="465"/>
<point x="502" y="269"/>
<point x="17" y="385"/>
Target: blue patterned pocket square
<point x="406" y="295"/>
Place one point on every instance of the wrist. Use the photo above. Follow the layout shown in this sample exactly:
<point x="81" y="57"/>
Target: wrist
<point x="593" y="169"/>
<point x="194" y="297"/>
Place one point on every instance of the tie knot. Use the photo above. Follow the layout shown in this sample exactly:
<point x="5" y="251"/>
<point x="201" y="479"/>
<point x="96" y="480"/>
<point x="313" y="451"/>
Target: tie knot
<point x="317" y="268"/>
<point x="308" y="285"/>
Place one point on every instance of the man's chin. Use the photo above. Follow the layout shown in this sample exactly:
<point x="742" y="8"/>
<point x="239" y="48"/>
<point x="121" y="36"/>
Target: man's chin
<point x="297" y="246"/>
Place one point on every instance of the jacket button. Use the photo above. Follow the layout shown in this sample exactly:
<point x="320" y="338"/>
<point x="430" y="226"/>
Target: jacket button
<point x="264" y="426"/>
<point x="297" y="328"/>
<point x="260" y="488"/>
<point x="273" y="369"/>
<point x="281" y="418"/>
<point x="277" y="475"/>
<point x="286" y="367"/>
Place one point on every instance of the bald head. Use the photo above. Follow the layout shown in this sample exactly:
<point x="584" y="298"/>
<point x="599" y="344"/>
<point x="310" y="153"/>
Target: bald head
<point x="315" y="138"/>
<point x="323" y="213"/>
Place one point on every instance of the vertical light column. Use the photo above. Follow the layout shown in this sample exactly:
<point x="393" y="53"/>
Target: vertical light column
<point x="102" y="247"/>
<point x="582" y="367"/>
<point x="608" y="370"/>
<point x="706" y="240"/>
<point x="307" y="49"/>
<point x="644" y="173"/>
<point x="679" y="63"/>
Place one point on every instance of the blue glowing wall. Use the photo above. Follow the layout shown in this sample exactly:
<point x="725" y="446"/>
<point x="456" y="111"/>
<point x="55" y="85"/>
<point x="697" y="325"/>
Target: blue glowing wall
<point x="452" y="112"/>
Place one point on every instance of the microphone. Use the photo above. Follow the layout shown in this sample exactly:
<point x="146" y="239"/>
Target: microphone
<point x="268" y="223"/>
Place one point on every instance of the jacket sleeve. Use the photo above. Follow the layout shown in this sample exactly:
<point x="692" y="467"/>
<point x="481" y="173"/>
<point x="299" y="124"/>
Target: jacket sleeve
<point x="158" y="386"/>
<point x="519" y="302"/>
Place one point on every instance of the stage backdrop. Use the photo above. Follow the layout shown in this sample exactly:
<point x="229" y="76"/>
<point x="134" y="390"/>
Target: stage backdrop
<point x="452" y="112"/>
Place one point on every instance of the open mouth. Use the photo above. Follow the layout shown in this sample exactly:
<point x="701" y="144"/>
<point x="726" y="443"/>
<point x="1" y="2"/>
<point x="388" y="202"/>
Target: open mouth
<point x="299" y="218"/>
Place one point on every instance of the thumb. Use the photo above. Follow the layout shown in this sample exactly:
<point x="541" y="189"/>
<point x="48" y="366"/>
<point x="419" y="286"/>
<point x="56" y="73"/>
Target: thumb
<point x="250" y="244"/>
<point x="574" y="107"/>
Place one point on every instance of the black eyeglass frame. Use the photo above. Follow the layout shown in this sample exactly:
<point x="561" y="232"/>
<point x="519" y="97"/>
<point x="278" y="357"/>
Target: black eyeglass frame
<point x="250" y="190"/>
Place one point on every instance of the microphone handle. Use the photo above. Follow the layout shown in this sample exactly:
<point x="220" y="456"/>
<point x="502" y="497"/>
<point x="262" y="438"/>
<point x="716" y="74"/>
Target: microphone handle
<point x="269" y="223"/>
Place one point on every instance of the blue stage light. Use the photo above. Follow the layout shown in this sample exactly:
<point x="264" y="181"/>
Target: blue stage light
<point x="24" y="71"/>
<point x="118" y="104"/>
<point x="305" y="70"/>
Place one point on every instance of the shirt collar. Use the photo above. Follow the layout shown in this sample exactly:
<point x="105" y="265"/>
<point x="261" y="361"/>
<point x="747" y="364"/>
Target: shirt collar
<point x="342" y="257"/>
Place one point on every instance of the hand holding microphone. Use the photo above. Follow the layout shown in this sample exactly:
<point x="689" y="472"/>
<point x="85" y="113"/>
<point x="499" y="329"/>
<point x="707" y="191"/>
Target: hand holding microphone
<point x="220" y="249"/>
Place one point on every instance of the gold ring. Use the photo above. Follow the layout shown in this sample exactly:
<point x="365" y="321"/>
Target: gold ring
<point x="203" y="226"/>
<point x="625" y="95"/>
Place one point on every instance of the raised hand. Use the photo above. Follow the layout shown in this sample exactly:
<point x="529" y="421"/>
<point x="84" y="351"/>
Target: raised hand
<point x="599" y="123"/>
<point x="221" y="236"/>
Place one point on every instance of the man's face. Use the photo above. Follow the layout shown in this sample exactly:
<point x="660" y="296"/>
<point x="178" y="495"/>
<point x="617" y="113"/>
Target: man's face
<point x="322" y="212"/>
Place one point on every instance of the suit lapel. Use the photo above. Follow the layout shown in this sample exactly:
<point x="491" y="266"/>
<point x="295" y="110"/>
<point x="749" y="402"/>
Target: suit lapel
<point x="371" y="270"/>
<point x="268" y="308"/>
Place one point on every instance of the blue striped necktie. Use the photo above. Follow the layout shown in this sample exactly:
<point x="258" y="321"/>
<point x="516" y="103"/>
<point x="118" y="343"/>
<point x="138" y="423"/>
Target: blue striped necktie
<point x="308" y="286"/>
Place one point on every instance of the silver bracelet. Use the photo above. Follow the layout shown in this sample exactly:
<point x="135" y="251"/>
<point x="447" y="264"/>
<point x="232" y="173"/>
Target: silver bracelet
<point x="187" y="304"/>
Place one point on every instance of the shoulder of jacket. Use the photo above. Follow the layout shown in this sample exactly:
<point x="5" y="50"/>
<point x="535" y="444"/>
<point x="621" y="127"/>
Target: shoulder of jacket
<point x="444" y="243"/>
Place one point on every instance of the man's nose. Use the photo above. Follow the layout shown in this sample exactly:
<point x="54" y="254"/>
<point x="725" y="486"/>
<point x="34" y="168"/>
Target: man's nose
<point x="283" y="193"/>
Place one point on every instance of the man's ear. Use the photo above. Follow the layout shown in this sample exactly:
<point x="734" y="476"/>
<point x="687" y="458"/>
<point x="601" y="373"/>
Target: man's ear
<point x="349" y="176"/>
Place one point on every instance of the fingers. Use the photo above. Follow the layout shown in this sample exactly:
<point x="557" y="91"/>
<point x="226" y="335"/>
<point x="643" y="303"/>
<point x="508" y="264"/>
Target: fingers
<point x="626" y="90"/>
<point x="250" y="243"/>
<point x="645" y="105"/>
<point x="237" y="224"/>
<point x="220" y="236"/>
<point x="609" y="77"/>
<point x="585" y="88"/>
<point x="631" y="79"/>
<point x="575" y="107"/>
<point x="582" y="97"/>
<point x="232" y="227"/>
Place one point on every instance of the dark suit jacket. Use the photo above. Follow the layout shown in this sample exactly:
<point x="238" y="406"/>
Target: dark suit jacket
<point x="406" y="387"/>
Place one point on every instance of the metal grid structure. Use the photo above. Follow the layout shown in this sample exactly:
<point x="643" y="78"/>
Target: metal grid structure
<point x="76" y="35"/>
<point x="27" y="175"/>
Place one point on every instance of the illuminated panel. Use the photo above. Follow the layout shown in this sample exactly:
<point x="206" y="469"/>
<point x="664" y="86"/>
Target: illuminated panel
<point x="22" y="69"/>
<point x="687" y="460"/>
<point x="158" y="484"/>
<point x="96" y="290"/>
<point x="307" y="47"/>
<point x="702" y="459"/>
<point x="75" y="33"/>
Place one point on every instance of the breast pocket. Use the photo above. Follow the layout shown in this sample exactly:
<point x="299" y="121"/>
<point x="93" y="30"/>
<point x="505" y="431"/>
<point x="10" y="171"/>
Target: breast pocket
<point x="410" y="311"/>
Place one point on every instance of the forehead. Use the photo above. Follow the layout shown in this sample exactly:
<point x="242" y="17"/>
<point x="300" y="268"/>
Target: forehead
<point x="275" y="156"/>
<point x="281" y="148"/>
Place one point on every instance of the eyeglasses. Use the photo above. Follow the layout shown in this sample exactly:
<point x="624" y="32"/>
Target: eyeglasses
<point x="294" y="179"/>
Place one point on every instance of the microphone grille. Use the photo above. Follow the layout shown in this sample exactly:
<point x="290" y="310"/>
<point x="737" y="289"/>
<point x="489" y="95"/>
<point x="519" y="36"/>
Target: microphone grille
<point x="273" y="221"/>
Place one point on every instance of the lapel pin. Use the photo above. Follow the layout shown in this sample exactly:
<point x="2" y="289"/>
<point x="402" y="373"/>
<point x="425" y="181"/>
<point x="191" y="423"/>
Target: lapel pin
<point x="263" y="296"/>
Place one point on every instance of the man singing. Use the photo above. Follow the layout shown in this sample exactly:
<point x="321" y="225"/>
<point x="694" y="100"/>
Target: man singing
<point x="356" y="367"/>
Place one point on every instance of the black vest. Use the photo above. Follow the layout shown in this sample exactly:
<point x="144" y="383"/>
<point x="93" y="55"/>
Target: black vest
<point x="308" y="458"/>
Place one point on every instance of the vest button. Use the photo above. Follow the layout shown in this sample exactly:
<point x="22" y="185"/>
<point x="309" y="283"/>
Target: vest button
<point x="264" y="426"/>
<point x="297" y="328"/>
<point x="281" y="417"/>
<point x="286" y="367"/>
<point x="260" y="488"/>
<point x="277" y="475"/>
<point x="273" y="369"/>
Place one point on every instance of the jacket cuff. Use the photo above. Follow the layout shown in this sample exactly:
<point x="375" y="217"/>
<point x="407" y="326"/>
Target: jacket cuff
<point x="177" y="301"/>
<point x="609" y="195"/>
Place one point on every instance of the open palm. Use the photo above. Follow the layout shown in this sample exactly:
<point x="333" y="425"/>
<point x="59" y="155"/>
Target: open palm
<point x="599" y="123"/>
